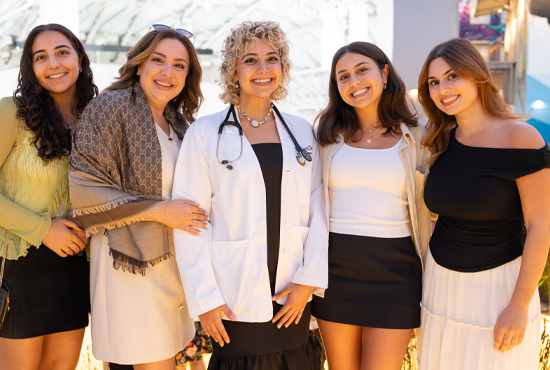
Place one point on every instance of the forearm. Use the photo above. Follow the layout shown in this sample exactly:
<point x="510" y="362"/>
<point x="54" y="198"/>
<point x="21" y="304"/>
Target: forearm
<point x="534" y="258"/>
<point x="157" y="213"/>
<point x="117" y="216"/>
<point x="26" y="224"/>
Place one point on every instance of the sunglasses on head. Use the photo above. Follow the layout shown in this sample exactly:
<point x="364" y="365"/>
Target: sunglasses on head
<point x="179" y="31"/>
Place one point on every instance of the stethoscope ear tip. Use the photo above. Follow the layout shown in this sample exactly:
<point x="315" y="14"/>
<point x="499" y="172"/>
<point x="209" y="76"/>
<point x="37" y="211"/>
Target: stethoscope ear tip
<point x="225" y="163"/>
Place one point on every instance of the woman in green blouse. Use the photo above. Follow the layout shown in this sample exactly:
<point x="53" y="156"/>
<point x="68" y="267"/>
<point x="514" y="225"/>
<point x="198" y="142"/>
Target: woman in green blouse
<point x="45" y="267"/>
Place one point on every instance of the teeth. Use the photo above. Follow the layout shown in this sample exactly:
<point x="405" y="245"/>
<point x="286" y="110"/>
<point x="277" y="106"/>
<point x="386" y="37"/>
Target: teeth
<point x="360" y="92"/>
<point x="262" y="81"/>
<point x="448" y="100"/>
<point x="57" y="75"/>
<point x="163" y="84"/>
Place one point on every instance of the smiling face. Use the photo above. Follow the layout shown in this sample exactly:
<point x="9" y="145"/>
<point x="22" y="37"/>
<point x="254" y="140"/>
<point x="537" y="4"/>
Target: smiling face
<point x="451" y="93"/>
<point x="55" y="62"/>
<point x="259" y="71"/>
<point x="360" y="81"/>
<point x="162" y="76"/>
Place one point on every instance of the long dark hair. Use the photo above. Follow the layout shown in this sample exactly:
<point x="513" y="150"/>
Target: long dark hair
<point x="340" y="118"/>
<point x="468" y="63"/>
<point x="190" y="98"/>
<point x="52" y="135"/>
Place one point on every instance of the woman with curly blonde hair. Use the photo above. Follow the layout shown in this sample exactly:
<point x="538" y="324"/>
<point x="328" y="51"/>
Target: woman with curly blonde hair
<point x="250" y="275"/>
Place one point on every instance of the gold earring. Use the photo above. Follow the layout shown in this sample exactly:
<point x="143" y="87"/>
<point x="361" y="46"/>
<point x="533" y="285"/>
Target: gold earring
<point x="80" y="70"/>
<point x="385" y="85"/>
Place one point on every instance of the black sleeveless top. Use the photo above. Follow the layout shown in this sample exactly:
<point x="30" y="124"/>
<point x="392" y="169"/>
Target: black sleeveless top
<point x="270" y="157"/>
<point x="473" y="190"/>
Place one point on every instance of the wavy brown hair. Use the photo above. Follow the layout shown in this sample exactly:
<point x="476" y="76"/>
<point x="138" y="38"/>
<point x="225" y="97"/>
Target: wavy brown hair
<point x="340" y="118"/>
<point x="190" y="98"/>
<point x="52" y="135"/>
<point x="468" y="63"/>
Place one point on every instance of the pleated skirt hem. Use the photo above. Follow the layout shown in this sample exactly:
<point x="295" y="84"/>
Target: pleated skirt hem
<point x="301" y="358"/>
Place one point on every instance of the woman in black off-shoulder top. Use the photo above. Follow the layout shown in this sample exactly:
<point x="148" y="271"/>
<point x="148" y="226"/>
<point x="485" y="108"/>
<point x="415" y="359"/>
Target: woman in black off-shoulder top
<point x="489" y="182"/>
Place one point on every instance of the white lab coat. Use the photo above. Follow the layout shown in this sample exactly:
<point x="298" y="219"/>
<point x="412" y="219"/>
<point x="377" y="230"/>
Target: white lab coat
<point x="227" y="263"/>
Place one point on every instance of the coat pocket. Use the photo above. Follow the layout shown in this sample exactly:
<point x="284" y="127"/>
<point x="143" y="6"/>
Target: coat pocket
<point x="230" y="260"/>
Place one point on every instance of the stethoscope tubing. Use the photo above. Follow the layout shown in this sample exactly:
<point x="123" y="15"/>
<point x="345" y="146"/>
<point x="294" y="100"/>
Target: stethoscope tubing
<point x="227" y="163"/>
<point x="303" y="154"/>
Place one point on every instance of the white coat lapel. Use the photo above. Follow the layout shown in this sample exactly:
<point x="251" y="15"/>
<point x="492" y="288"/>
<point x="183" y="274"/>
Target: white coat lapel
<point x="248" y="152"/>
<point x="289" y="151"/>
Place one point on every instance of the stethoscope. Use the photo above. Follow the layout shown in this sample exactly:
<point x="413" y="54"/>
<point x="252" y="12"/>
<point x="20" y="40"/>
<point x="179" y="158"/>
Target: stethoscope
<point x="302" y="154"/>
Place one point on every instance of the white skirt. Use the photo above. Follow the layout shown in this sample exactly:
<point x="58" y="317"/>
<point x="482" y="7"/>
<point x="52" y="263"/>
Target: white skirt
<point x="136" y="319"/>
<point x="459" y="312"/>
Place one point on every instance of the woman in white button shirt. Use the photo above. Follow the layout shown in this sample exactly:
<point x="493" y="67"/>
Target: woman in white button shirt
<point x="265" y="250"/>
<point x="373" y="173"/>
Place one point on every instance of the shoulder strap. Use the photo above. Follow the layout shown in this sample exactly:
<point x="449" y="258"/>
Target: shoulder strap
<point x="12" y="197"/>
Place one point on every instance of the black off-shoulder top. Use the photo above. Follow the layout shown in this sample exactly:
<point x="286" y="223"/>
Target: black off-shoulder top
<point x="473" y="190"/>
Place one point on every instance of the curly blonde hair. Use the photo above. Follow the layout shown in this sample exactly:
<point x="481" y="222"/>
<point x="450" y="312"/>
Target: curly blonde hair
<point x="238" y="43"/>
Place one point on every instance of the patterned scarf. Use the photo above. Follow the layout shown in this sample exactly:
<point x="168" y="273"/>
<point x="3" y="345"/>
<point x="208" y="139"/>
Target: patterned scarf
<point x="116" y="176"/>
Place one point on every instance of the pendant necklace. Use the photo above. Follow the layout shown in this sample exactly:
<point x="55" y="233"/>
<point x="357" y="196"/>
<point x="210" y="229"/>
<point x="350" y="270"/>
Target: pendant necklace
<point x="369" y="139"/>
<point x="255" y="123"/>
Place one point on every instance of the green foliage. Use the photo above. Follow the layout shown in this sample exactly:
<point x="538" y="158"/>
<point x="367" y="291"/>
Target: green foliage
<point x="410" y="363"/>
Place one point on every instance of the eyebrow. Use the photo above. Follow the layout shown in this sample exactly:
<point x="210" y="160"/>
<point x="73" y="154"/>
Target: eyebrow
<point x="254" y="54"/>
<point x="57" y="47"/>
<point x="444" y="74"/>
<point x="164" y="56"/>
<point x="357" y="65"/>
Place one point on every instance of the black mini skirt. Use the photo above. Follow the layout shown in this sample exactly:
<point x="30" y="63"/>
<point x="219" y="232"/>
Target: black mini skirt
<point x="48" y="294"/>
<point x="373" y="282"/>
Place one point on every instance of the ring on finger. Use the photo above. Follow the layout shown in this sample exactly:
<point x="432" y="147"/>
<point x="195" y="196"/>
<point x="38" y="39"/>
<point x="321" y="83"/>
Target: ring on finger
<point x="64" y="251"/>
<point x="193" y="222"/>
<point x="75" y="245"/>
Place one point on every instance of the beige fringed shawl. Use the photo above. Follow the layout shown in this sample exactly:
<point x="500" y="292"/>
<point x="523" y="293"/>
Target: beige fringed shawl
<point x="116" y="176"/>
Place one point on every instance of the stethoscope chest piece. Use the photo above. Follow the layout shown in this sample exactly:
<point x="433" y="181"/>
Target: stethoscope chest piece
<point x="304" y="155"/>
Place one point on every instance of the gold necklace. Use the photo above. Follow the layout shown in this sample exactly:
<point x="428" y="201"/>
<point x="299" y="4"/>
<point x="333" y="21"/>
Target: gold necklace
<point x="255" y="123"/>
<point x="369" y="139"/>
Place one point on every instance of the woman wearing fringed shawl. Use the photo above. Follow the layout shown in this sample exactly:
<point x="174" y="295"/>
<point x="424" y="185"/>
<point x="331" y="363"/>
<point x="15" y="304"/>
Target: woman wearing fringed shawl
<point x="122" y="170"/>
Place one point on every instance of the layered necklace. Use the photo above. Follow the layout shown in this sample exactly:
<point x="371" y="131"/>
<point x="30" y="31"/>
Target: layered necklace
<point x="253" y="122"/>
<point x="369" y="139"/>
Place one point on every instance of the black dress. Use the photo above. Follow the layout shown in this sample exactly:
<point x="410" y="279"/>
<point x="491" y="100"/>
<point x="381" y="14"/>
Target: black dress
<point x="261" y="346"/>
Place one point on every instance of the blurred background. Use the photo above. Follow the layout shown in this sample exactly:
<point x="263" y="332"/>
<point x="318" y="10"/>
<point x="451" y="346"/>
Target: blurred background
<point x="513" y="36"/>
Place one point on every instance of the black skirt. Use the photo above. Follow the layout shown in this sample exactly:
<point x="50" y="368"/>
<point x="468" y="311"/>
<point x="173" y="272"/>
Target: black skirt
<point x="373" y="282"/>
<point x="48" y="294"/>
<point x="261" y="346"/>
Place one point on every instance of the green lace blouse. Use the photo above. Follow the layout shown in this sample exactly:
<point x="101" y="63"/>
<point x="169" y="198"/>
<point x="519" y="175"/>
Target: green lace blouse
<point x="40" y="190"/>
